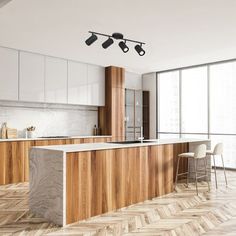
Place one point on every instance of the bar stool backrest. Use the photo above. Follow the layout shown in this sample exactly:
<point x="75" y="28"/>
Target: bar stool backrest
<point x="218" y="150"/>
<point x="200" y="151"/>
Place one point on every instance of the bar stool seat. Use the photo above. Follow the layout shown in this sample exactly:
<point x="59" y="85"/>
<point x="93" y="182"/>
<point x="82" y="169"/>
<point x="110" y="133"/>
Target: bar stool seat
<point x="187" y="154"/>
<point x="199" y="153"/>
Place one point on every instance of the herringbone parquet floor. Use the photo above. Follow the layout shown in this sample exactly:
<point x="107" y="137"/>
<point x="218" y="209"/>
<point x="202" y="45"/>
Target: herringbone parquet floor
<point x="181" y="213"/>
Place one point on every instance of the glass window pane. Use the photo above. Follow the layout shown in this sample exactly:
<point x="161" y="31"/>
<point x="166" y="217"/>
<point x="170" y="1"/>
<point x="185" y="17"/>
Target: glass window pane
<point x="197" y="136"/>
<point x="168" y="101"/>
<point x="223" y="98"/>
<point x="194" y="100"/>
<point x="229" y="149"/>
<point x="168" y="136"/>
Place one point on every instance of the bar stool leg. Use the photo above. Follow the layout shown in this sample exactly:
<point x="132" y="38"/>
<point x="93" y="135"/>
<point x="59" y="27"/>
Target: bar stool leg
<point x="187" y="181"/>
<point x="205" y="161"/>
<point x="215" y="170"/>
<point x="195" y="165"/>
<point x="226" y="182"/>
<point x="177" y="172"/>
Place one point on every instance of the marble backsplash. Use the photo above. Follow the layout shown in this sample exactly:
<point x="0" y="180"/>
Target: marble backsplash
<point x="49" y="120"/>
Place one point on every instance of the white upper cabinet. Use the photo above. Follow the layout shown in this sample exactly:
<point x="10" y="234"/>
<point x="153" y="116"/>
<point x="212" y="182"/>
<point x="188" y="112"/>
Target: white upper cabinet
<point x="55" y="80"/>
<point x="96" y="85"/>
<point x="31" y="77"/>
<point x="32" y="70"/>
<point x="8" y="74"/>
<point x="77" y="83"/>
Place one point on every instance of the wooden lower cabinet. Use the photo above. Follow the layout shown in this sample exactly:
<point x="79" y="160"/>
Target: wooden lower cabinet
<point x="14" y="159"/>
<point x="105" y="180"/>
<point x="51" y="142"/>
<point x="14" y="162"/>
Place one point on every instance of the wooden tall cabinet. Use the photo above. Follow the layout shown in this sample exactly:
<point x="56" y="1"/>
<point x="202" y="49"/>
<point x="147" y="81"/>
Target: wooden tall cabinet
<point x="111" y="116"/>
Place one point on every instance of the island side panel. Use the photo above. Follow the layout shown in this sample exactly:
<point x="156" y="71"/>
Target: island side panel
<point x="46" y="184"/>
<point x="101" y="181"/>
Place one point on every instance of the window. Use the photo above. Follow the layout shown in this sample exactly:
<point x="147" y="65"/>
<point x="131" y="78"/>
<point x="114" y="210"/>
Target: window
<point x="194" y="100"/>
<point x="200" y="102"/>
<point x="223" y="98"/>
<point x="169" y="101"/>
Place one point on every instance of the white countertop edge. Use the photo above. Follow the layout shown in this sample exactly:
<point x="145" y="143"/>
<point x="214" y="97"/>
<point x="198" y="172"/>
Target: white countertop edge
<point x="69" y="137"/>
<point x="104" y="146"/>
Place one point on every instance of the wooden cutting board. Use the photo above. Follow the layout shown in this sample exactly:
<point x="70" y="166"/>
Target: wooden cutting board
<point x="11" y="133"/>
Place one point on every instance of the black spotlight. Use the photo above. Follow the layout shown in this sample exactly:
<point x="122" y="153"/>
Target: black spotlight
<point x="123" y="46"/>
<point x="139" y="50"/>
<point x="107" y="43"/>
<point x="91" y="39"/>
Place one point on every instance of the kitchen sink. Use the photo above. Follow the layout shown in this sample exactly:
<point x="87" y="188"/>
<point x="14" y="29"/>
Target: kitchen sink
<point x="132" y="141"/>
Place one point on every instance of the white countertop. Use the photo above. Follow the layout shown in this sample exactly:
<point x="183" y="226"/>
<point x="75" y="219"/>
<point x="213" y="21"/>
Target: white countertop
<point x="69" y="137"/>
<point x="103" y="146"/>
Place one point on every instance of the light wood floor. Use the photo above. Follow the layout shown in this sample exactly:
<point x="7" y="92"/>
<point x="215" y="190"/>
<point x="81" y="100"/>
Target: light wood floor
<point x="180" y="213"/>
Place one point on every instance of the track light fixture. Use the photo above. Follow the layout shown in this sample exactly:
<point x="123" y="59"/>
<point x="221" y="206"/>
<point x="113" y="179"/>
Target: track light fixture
<point x="108" y="43"/>
<point x="139" y="50"/>
<point x="123" y="46"/>
<point x="117" y="36"/>
<point x="91" y="39"/>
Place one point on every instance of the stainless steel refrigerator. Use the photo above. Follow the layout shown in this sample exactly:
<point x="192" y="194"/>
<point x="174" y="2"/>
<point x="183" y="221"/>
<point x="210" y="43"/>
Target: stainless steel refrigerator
<point x="133" y="114"/>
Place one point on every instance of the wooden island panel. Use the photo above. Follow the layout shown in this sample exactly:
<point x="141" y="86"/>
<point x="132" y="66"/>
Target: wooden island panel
<point x="105" y="180"/>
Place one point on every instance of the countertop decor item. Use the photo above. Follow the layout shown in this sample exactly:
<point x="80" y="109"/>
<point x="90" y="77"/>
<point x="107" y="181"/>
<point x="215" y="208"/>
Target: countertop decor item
<point x="4" y="131"/>
<point x="11" y="133"/>
<point x="30" y="131"/>
<point x="96" y="130"/>
<point x="117" y="36"/>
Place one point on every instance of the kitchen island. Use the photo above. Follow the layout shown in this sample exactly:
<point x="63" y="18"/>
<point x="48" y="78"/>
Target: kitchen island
<point x="69" y="183"/>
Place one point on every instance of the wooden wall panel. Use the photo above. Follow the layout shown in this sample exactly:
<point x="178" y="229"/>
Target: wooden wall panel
<point x="112" y="179"/>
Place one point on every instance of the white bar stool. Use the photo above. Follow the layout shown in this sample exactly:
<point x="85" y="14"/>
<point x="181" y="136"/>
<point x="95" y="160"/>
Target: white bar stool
<point x="199" y="153"/>
<point x="218" y="151"/>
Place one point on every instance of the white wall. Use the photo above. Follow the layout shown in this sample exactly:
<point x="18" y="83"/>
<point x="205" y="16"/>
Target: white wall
<point x="48" y="119"/>
<point x="149" y="84"/>
<point x="133" y="80"/>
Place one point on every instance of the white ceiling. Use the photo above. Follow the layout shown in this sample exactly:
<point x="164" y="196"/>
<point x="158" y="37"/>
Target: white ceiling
<point x="177" y="32"/>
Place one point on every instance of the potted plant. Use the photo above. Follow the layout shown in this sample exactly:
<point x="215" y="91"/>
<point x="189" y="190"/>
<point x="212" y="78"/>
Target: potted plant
<point x="30" y="131"/>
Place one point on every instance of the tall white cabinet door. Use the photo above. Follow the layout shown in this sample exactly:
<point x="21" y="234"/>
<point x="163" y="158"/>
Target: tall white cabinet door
<point x="96" y="85"/>
<point x="8" y="74"/>
<point x="77" y="83"/>
<point x="31" y="77"/>
<point x="55" y="80"/>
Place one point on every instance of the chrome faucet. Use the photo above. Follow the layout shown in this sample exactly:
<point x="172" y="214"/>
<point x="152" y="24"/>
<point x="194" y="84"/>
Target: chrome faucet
<point x="141" y="138"/>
